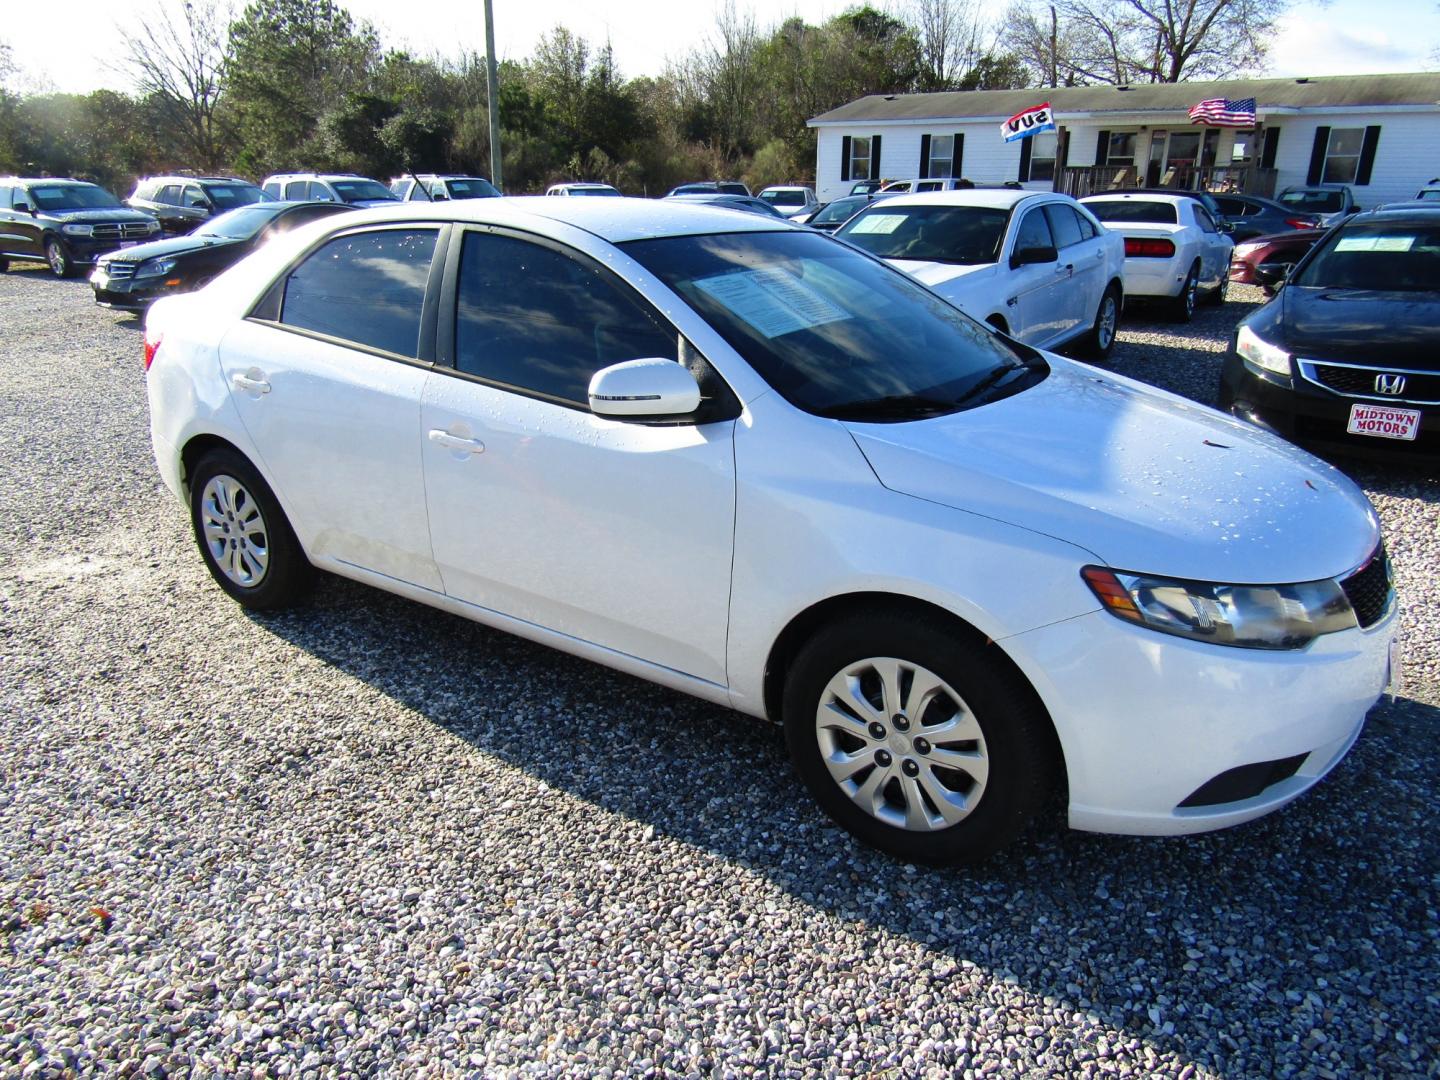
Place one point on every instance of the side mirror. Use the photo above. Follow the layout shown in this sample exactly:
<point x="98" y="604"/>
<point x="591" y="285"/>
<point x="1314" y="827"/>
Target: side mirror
<point x="24" y="207"/>
<point x="1032" y="255"/>
<point x="196" y="204"/>
<point x="439" y="196"/>
<point x="1274" y="273"/>
<point x="1227" y="226"/>
<point x="649" y="387"/>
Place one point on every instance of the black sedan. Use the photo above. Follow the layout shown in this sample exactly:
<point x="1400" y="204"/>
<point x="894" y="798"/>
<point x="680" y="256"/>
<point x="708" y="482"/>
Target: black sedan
<point x="1250" y="216"/>
<point x="133" y="278"/>
<point x="1347" y="355"/>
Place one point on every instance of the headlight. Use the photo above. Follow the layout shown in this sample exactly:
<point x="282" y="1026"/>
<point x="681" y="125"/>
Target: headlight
<point x="1252" y="347"/>
<point x="152" y="226"/>
<point x="1242" y="250"/>
<point x="77" y="230"/>
<point x="155" y="267"/>
<point x="1244" y="616"/>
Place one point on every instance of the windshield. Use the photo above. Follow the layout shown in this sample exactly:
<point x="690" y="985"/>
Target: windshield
<point x="1429" y="195"/>
<point x="1318" y="202"/>
<point x="71" y="197"/>
<point x="239" y="224"/>
<point x="471" y="188"/>
<point x="1381" y="256"/>
<point x="229" y="196"/>
<point x="784" y="198"/>
<point x="357" y="190"/>
<point x="840" y="210"/>
<point x="1120" y="211"/>
<point x="594" y="191"/>
<point x="836" y="333"/>
<point x="965" y="235"/>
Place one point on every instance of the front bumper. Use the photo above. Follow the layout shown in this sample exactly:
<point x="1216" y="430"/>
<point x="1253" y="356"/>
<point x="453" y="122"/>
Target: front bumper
<point x="1154" y="277"/>
<point x="1147" y="720"/>
<point x="129" y="294"/>
<point x="86" y="251"/>
<point x="1315" y="417"/>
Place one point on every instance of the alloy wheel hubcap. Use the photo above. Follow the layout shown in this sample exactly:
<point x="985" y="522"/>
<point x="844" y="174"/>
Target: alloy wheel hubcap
<point x="1107" y="321"/>
<point x="902" y="744"/>
<point x="57" y="257"/>
<point x="235" y="531"/>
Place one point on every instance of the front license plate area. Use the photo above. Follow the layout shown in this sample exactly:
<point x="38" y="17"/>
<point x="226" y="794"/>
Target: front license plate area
<point x="1384" y="422"/>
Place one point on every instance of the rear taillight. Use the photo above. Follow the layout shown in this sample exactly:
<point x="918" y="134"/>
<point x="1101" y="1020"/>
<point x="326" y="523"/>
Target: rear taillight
<point x="152" y="343"/>
<point x="1301" y="223"/>
<point x="1143" y="247"/>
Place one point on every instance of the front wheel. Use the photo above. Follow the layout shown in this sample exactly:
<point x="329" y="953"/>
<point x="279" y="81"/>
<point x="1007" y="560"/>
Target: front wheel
<point x="1101" y="339"/>
<point x="61" y="265"/>
<point x="915" y="739"/>
<point x="243" y="535"/>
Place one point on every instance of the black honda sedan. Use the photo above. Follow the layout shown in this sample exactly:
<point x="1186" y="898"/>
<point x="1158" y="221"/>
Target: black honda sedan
<point x="1347" y="355"/>
<point x="133" y="278"/>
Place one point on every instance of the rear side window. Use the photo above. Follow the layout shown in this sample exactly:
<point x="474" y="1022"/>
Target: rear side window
<point x="367" y="288"/>
<point x="1063" y="225"/>
<point x="169" y="195"/>
<point x="535" y="319"/>
<point x="1134" y="210"/>
<point x="6" y="194"/>
<point x="297" y="189"/>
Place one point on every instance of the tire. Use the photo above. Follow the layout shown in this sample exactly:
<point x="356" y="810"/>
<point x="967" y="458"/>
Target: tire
<point x="1182" y="308"/>
<point x="1101" y="339"/>
<point x="61" y="265"/>
<point x="856" y="759"/>
<point x="4" y="265"/>
<point x="1216" y="296"/>
<point x="243" y="535"/>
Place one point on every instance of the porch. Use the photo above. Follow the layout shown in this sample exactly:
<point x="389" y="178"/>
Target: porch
<point x="1081" y="180"/>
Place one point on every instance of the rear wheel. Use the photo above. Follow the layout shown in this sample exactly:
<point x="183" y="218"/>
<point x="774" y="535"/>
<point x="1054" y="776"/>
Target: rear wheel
<point x="1101" y="339"/>
<point x="243" y="535"/>
<point x="61" y="265"/>
<point x="1216" y="296"/>
<point x="913" y="738"/>
<point x="1183" y="305"/>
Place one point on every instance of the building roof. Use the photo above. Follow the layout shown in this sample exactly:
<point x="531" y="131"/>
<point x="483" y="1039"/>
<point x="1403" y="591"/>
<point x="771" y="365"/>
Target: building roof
<point x="1272" y="95"/>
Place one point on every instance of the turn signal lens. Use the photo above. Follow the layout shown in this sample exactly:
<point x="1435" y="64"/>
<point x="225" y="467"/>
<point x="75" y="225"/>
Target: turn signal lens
<point x="152" y="343"/>
<point x="1301" y="223"/>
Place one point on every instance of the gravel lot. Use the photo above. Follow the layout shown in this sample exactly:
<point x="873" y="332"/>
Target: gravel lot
<point x="368" y="837"/>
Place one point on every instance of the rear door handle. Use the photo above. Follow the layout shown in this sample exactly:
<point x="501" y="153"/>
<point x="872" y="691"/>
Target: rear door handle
<point x="456" y="442"/>
<point x="256" y="386"/>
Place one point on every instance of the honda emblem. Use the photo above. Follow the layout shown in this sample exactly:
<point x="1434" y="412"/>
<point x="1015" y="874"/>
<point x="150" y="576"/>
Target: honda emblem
<point x="1393" y="385"/>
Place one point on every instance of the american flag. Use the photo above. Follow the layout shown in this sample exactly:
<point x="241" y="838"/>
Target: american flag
<point x="1217" y="112"/>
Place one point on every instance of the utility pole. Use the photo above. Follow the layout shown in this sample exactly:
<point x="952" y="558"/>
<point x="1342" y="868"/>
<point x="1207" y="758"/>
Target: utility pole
<point x="492" y="85"/>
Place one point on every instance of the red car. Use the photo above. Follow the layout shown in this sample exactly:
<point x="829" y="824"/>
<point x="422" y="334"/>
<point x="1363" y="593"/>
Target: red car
<point x="1258" y="261"/>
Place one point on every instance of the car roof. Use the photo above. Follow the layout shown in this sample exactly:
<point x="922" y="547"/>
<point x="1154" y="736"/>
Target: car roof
<point x="1181" y="193"/>
<point x="786" y="187"/>
<point x="46" y="180"/>
<point x="615" y="220"/>
<point x="997" y="198"/>
<point x="1413" y="212"/>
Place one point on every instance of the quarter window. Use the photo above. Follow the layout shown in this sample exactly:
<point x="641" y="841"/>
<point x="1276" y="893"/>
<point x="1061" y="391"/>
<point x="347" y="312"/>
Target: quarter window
<point x="942" y="155"/>
<point x="1342" y="155"/>
<point x="540" y="321"/>
<point x="860" y="158"/>
<point x="367" y="288"/>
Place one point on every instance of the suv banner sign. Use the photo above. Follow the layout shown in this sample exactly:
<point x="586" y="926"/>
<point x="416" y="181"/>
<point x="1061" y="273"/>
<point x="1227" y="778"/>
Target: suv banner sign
<point x="1027" y="122"/>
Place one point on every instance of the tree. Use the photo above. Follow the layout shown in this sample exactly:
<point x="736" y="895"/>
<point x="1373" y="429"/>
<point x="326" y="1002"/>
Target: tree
<point x="181" y="64"/>
<point x="948" y="34"/>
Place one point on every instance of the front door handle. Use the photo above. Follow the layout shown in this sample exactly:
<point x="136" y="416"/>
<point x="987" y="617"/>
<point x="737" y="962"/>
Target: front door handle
<point x="1067" y="268"/>
<point x="254" y="386"/>
<point x="456" y="442"/>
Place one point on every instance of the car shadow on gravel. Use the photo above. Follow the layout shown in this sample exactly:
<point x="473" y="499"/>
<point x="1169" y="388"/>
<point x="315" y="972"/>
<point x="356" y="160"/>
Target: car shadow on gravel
<point x="1242" y="951"/>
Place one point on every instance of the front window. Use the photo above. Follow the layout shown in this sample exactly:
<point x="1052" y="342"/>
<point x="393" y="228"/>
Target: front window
<point x="1381" y="256"/>
<point x="1312" y="201"/>
<point x="835" y="332"/>
<point x="1042" y="155"/>
<point x="963" y="235"/>
<point x="71" y="197"/>
<point x="942" y="155"/>
<point x="230" y="196"/>
<point x="1122" y="211"/>
<point x="1342" y="155"/>
<point x="361" y="190"/>
<point x="860" y="158"/>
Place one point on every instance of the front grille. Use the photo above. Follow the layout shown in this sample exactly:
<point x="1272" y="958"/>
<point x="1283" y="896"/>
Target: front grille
<point x="1420" y="388"/>
<point x="1369" y="590"/>
<point x="127" y="230"/>
<point x="118" y="271"/>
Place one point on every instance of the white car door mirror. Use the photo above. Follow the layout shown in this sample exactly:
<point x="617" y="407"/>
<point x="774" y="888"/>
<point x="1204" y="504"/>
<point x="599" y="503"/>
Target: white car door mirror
<point x="649" y="387"/>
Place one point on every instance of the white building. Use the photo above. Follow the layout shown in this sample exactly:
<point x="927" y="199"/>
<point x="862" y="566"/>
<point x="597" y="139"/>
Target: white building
<point x="1378" y="133"/>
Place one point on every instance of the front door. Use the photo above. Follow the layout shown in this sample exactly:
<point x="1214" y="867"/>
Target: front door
<point x="1039" y="301"/>
<point x="619" y="534"/>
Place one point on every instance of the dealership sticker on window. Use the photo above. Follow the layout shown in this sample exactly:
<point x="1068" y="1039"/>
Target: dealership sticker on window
<point x="772" y="301"/>
<point x="1375" y="243"/>
<point x="1384" y="422"/>
<point x="878" y="223"/>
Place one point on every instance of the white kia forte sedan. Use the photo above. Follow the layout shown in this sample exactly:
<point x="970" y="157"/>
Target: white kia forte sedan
<point x="746" y="461"/>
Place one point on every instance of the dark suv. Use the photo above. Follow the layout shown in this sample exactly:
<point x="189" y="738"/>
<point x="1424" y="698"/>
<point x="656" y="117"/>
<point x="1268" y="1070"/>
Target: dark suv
<point x="67" y="223"/>
<point x="183" y="202"/>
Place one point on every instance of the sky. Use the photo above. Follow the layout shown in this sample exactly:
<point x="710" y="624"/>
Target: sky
<point x="1340" y="37"/>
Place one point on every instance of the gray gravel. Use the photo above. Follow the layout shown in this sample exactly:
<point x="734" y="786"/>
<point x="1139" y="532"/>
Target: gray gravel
<point x="368" y="837"/>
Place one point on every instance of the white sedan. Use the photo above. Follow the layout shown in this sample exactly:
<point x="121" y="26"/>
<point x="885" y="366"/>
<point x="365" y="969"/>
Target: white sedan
<point x="740" y="459"/>
<point x="1036" y="266"/>
<point x="1173" y="248"/>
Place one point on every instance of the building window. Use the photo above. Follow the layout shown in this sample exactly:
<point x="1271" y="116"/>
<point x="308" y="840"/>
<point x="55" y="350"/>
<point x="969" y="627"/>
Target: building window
<point x="942" y="155"/>
<point x="1342" y="155"/>
<point x="1122" y="148"/>
<point x="1042" y="156"/>
<point x="1240" y="150"/>
<point x="860" y="158"/>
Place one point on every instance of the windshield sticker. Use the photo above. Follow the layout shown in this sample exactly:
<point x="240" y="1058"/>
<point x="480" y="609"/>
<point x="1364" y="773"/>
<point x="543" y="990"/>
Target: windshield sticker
<point x="878" y="223"/>
<point x="772" y="301"/>
<point x="1375" y="243"/>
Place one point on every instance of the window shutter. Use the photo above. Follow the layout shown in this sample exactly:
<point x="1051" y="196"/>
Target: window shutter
<point x="1102" y="148"/>
<point x="845" y="158"/>
<point x="875" y="173"/>
<point x="959" y="154"/>
<point x="924" y="156"/>
<point x="1272" y="144"/>
<point x="1317" y="155"/>
<point x="1367" y="155"/>
<point x="1062" y="155"/>
<point x="1024" y="160"/>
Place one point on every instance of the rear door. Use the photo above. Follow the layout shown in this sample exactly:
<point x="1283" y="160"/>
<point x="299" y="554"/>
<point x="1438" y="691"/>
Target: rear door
<point x="1081" y="250"/>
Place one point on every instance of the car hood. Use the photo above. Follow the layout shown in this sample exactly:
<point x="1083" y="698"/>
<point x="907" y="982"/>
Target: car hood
<point x="174" y="246"/>
<point x="97" y="217"/>
<point x="1144" y="480"/>
<point x="938" y="273"/>
<point x="1400" y="329"/>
